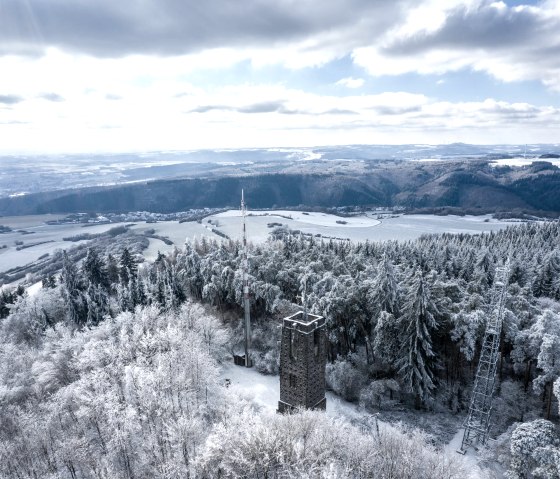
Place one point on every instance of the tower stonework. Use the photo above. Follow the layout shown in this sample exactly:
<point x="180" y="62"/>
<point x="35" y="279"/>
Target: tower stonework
<point x="302" y="362"/>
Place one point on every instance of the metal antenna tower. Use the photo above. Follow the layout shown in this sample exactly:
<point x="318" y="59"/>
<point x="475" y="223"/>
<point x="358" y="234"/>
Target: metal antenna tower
<point x="477" y="423"/>
<point x="246" y="299"/>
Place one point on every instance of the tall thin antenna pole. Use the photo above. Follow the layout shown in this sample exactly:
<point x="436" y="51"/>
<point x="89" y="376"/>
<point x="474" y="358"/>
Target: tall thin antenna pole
<point x="304" y="299"/>
<point x="246" y="299"/>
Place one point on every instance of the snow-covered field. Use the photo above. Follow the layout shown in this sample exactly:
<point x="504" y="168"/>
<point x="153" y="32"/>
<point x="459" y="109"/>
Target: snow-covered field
<point x="522" y="161"/>
<point x="357" y="228"/>
<point x="312" y="218"/>
<point x="42" y="238"/>
<point x="174" y="231"/>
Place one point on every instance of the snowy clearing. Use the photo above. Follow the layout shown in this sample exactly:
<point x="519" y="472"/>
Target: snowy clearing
<point x="264" y="390"/>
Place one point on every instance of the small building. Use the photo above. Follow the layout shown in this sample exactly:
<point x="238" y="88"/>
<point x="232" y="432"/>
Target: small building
<point x="302" y="362"/>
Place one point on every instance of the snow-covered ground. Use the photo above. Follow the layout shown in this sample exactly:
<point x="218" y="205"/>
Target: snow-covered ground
<point x="265" y="392"/>
<point x="308" y="217"/>
<point x="455" y="445"/>
<point x="41" y="238"/>
<point x="358" y="228"/>
<point x="410" y="227"/>
<point x="174" y="231"/>
<point x="522" y="161"/>
<point x="34" y="288"/>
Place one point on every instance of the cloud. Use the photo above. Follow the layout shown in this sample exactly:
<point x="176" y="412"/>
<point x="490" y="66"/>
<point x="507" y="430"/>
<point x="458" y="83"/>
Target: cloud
<point x="339" y="111"/>
<point x="207" y="108"/>
<point x="277" y="106"/>
<point x="110" y="29"/>
<point x="509" y="43"/>
<point x="54" y="97"/>
<point x="396" y="110"/>
<point x="350" y="82"/>
<point x="263" y="107"/>
<point x="156" y="124"/>
<point x="10" y="99"/>
<point x="388" y="110"/>
<point x="222" y="70"/>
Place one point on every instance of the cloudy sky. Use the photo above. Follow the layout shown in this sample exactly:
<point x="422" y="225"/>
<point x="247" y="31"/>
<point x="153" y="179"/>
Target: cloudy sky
<point x="133" y="75"/>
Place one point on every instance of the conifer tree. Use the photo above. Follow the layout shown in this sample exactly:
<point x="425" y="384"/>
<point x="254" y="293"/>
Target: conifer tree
<point x="112" y="270"/>
<point x="417" y="357"/>
<point x="128" y="267"/>
<point x="385" y="291"/>
<point x="72" y="291"/>
<point x="94" y="269"/>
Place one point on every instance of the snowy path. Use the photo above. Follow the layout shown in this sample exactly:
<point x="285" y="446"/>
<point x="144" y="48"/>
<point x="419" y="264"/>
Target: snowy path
<point x="455" y="444"/>
<point x="471" y="456"/>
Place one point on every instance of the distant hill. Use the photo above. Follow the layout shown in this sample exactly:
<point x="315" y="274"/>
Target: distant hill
<point x="467" y="184"/>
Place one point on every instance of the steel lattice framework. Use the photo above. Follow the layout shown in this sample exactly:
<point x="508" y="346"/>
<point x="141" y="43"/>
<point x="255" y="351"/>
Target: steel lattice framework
<point x="477" y="423"/>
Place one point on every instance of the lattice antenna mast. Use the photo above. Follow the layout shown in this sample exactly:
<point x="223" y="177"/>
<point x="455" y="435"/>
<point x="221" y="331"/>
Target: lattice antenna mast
<point x="246" y="299"/>
<point x="477" y="423"/>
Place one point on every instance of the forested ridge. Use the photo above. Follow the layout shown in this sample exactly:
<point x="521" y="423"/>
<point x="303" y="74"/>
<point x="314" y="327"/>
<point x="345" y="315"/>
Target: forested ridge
<point x="470" y="185"/>
<point x="111" y="370"/>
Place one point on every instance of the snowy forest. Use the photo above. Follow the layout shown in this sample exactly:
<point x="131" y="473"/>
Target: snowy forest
<point x="112" y="369"/>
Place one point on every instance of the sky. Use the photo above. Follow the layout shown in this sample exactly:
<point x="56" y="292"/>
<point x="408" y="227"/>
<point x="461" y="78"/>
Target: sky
<point x="86" y="76"/>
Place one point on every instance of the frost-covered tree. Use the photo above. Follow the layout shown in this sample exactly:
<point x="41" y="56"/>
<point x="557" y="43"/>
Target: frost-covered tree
<point x="72" y="286"/>
<point x="546" y="278"/>
<point x="419" y="320"/>
<point x="534" y="451"/>
<point x="112" y="269"/>
<point x="386" y="339"/>
<point x="128" y="267"/>
<point x="94" y="269"/>
<point x="97" y="303"/>
<point x="384" y="294"/>
<point x="343" y="378"/>
<point x="545" y="337"/>
<point x="466" y="330"/>
<point x="377" y="392"/>
<point x="556" y="390"/>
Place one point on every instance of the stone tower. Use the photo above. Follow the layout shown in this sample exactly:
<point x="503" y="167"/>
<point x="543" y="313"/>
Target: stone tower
<point x="302" y="362"/>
